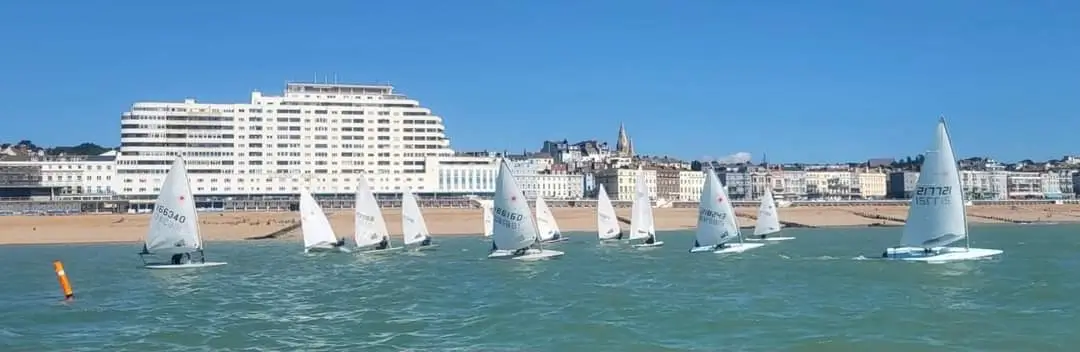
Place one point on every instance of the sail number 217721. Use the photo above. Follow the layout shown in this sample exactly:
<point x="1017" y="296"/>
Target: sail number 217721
<point x="932" y="195"/>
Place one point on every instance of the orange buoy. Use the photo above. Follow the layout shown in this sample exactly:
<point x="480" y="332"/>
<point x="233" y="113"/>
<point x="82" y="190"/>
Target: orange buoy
<point x="65" y="285"/>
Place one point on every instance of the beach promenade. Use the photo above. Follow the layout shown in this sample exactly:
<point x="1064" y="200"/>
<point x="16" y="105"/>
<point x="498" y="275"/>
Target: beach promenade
<point x="467" y="222"/>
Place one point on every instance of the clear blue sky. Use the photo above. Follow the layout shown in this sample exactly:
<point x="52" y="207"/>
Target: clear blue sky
<point x="800" y="80"/>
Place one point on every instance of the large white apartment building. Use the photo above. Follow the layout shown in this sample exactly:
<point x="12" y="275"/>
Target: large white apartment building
<point x="322" y="136"/>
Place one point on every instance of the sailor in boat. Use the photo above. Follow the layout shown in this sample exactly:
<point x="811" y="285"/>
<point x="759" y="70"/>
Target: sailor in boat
<point x="651" y="239"/>
<point x="383" y="244"/>
<point x="178" y="258"/>
<point x="426" y="241"/>
<point x="619" y="236"/>
<point x="555" y="235"/>
<point x="339" y="243"/>
<point x="494" y="247"/>
<point x="521" y="251"/>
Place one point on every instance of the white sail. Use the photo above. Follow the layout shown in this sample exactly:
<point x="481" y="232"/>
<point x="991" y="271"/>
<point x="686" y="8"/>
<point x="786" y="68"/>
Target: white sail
<point x="489" y="218"/>
<point x="714" y="216"/>
<point x="174" y="227"/>
<point x="768" y="220"/>
<point x="314" y="225"/>
<point x="936" y="215"/>
<point x="413" y="227"/>
<point x="545" y="220"/>
<point x="641" y="218"/>
<point x="607" y="222"/>
<point x="370" y="225"/>
<point x="513" y="226"/>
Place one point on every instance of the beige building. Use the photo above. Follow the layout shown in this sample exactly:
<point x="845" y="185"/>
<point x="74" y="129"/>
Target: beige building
<point x="872" y="185"/>
<point x="619" y="183"/>
<point x="690" y="185"/>
<point x="832" y="185"/>
<point x="667" y="184"/>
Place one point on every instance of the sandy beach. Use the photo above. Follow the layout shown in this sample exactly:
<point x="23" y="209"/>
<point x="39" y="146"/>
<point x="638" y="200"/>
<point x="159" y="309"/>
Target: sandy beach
<point x="467" y="222"/>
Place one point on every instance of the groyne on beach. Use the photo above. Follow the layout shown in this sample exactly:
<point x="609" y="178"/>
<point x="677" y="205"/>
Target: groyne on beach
<point x="219" y="226"/>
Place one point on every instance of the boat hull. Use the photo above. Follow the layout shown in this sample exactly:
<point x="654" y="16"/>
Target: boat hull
<point x="649" y="245"/>
<point x="703" y="249"/>
<point x="183" y="266"/>
<point x="322" y="249"/>
<point x="738" y="247"/>
<point x="939" y="255"/>
<point x="770" y="239"/>
<point x="429" y="247"/>
<point x="381" y="251"/>
<point x="530" y="255"/>
<point x="558" y="240"/>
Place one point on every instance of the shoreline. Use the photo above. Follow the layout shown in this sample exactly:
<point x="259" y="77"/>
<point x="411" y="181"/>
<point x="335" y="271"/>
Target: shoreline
<point x="459" y="222"/>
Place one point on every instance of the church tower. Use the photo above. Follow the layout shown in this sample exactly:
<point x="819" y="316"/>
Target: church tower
<point x="622" y="145"/>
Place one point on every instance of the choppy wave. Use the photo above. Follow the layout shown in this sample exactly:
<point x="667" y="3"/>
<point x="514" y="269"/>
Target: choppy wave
<point x="805" y="294"/>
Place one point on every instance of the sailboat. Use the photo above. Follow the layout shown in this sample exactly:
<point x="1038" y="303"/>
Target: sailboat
<point x="936" y="216"/>
<point x="318" y="234"/>
<point x="174" y="226"/>
<point x="768" y="220"/>
<point x="413" y="227"/>
<point x="515" y="234"/>
<point x="717" y="226"/>
<point x="545" y="222"/>
<point x="642" y="225"/>
<point x="489" y="217"/>
<point x="607" y="222"/>
<point x="371" y="234"/>
<point x="734" y="222"/>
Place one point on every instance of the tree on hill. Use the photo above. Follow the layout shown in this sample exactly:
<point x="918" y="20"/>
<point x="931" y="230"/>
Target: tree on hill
<point x="81" y="149"/>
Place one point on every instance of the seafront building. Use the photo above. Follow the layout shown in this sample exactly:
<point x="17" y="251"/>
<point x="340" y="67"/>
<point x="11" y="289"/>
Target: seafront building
<point x="52" y="176"/>
<point x="325" y="137"/>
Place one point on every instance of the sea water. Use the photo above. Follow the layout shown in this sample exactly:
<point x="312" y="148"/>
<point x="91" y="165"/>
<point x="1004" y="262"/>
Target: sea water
<point x="823" y="291"/>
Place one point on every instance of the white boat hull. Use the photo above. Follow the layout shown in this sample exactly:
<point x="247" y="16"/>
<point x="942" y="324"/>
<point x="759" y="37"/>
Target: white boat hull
<point x="702" y="249"/>
<point x="769" y="239"/>
<point x="738" y="247"/>
<point x="321" y="249"/>
<point x="380" y="251"/>
<point x="184" y="266"/>
<point x="939" y="255"/>
<point x="531" y="254"/>
<point x="649" y="245"/>
<point x="558" y="240"/>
